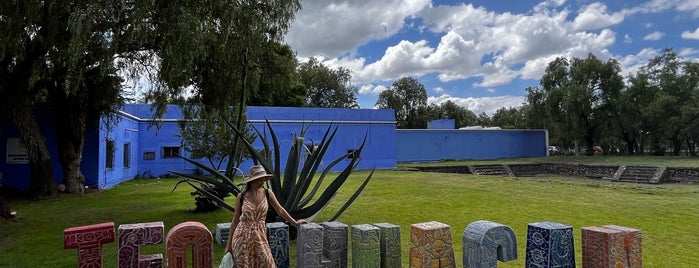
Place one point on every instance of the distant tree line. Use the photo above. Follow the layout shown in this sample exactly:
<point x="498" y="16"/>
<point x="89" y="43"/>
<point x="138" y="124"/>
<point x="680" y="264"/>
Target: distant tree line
<point x="585" y="102"/>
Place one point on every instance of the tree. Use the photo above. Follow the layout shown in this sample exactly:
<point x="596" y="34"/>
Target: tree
<point x="56" y="54"/>
<point x="462" y="116"/>
<point x="327" y="87"/>
<point x="671" y="83"/>
<point x="278" y="84"/>
<point x="68" y="54"/>
<point x="578" y="96"/>
<point x="484" y="120"/>
<point x="406" y="97"/>
<point x="509" y="118"/>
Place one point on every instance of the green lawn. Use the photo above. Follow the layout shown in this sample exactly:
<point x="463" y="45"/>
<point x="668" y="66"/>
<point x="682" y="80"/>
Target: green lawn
<point x="667" y="214"/>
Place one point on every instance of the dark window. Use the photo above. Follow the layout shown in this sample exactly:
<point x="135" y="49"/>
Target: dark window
<point x="171" y="151"/>
<point x="127" y="155"/>
<point x="149" y="156"/>
<point x="110" y="154"/>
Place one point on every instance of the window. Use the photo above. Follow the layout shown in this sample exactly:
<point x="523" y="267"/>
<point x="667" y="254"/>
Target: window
<point x="127" y="155"/>
<point x="110" y="154"/>
<point x="149" y="156"/>
<point x="171" y="151"/>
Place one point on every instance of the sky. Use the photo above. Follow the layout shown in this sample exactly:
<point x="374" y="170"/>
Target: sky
<point x="483" y="54"/>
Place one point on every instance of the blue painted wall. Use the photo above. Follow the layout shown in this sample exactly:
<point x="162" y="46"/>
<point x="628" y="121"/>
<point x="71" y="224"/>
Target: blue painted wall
<point x="353" y="125"/>
<point x="426" y="145"/>
<point x="385" y="146"/>
<point x="442" y="124"/>
<point x="16" y="176"/>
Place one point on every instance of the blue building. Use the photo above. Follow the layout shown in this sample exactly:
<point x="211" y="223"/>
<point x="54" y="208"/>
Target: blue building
<point x="137" y="148"/>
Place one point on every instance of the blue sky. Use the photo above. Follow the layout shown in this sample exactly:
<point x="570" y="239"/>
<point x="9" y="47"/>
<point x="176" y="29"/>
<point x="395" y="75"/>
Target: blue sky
<point x="483" y="54"/>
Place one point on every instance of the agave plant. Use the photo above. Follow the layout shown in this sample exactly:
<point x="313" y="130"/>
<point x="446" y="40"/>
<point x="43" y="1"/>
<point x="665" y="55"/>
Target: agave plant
<point x="300" y="189"/>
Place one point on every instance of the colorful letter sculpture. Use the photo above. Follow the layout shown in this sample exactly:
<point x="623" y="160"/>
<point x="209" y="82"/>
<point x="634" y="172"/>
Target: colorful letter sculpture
<point x="88" y="240"/>
<point x="278" y="238"/>
<point x="366" y="250"/>
<point x="221" y="233"/>
<point x="309" y="246"/>
<point x="603" y="248"/>
<point x="431" y="245"/>
<point x="611" y="246"/>
<point x="632" y="244"/>
<point x="486" y="242"/>
<point x="335" y="243"/>
<point x="550" y="245"/>
<point x="185" y="234"/>
<point x="132" y="237"/>
<point x="390" y="245"/>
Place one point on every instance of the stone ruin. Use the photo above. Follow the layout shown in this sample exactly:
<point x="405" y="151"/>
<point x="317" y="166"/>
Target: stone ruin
<point x="484" y="244"/>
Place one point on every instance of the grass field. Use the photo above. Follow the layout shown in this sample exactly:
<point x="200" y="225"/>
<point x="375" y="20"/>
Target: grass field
<point x="667" y="214"/>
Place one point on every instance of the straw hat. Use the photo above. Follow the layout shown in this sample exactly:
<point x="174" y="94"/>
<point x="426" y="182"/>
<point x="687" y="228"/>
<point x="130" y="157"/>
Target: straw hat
<point x="256" y="172"/>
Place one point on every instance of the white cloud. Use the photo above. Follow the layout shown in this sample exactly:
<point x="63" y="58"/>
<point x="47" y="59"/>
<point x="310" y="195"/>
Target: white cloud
<point x="478" y="105"/>
<point x="689" y="6"/>
<point x="691" y="35"/>
<point x="688" y="52"/>
<point x="632" y="63"/>
<point x="475" y="46"/>
<point x="404" y="59"/>
<point x="371" y="89"/>
<point x="595" y="16"/>
<point x="333" y="28"/>
<point x="547" y="5"/>
<point x="654" y="36"/>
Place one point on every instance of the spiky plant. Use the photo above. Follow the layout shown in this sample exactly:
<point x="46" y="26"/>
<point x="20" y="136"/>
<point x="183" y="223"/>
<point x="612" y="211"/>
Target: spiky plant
<point x="300" y="189"/>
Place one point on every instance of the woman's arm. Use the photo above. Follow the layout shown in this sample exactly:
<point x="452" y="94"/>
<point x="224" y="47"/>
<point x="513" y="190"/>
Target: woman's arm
<point x="281" y="211"/>
<point x="234" y="223"/>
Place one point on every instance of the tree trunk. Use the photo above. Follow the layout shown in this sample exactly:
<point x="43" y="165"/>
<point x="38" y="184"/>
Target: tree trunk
<point x="630" y="146"/>
<point x="42" y="180"/>
<point x="70" y="135"/>
<point x="590" y="143"/>
<point x="676" y="145"/>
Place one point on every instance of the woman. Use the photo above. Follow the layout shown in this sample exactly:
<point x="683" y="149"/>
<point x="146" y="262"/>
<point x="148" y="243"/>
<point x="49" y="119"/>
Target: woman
<point x="247" y="238"/>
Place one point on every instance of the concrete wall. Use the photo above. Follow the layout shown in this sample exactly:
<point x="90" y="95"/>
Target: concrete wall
<point x="425" y="145"/>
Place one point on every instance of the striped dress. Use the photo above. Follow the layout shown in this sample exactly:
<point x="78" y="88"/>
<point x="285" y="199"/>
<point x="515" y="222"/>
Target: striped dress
<point x="249" y="243"/>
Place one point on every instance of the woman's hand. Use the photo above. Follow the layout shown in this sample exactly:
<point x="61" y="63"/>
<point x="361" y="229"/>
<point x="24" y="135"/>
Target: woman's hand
<point x="299" y="222"/>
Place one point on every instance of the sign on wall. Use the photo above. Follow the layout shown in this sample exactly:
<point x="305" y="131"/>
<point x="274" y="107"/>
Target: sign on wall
<point x="16" y="154"/>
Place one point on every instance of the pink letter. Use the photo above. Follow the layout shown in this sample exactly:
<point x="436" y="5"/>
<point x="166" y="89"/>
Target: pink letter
<point x="185" y="234"/>
<point x="132" y="237"/>
<point x="88" y="240"/>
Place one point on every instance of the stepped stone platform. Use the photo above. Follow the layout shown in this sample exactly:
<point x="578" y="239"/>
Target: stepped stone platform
<point x="639" y="174"/>
<point x="633" y="174"/>
<point x="498" y="170"/>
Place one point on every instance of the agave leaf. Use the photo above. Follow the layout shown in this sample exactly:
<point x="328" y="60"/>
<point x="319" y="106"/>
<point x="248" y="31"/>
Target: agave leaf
<point x="319" y="182"/>
<point x="208" y="194"/>
<point x="208" y="169"/>
<point x="353" y="197"/>
<point x="312" y="163"/>
<point x="329" y="168"/>
<point x="255" y="155"/>
<point x="291" y="172"/>
<point x="329" y="192"/>
<point x="233" y="189"/>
